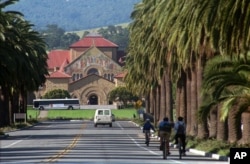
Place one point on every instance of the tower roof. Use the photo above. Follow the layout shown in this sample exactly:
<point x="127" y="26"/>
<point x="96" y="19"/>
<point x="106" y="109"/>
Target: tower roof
<point x="93" y="40"/>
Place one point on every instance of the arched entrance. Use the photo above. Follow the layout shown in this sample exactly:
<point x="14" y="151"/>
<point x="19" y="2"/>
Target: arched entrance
<point x="93" y="99"/>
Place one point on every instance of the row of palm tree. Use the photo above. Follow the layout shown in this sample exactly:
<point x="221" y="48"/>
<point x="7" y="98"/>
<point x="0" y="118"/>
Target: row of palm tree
<point x="171" y="42"/>
<point x="23" y="62"/>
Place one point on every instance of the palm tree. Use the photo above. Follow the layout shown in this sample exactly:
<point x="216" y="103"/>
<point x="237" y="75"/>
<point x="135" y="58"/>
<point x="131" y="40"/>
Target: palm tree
<point x="184" y="34"/>
<point x="24" y="63"/>
<point x="227" y="80"/>
<point x="6" y="60"/>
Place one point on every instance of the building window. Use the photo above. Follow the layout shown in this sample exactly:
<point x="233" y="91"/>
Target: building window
<point x="112" y="77"/>
<point x="93" y="71"/>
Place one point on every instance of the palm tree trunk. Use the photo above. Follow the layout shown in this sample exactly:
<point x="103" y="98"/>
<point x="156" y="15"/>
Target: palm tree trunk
<point x="213" y="122"/>
<point x="234" y="125"/>
<point x="183" y="104"/>
<point x="169" y="98"/>
<point x="147" y="103"/>
<point x="151" y="108"/>
<point x="2" y="109"/>
<point x="193" y="96"/>
<point x="202" y="125"/>
<point x="153" y="104"/>
<point x="245" y="117"/>
<point x="163" y="104"/>
<point x="5" y="111"/>
<point x="177" y="100"/>
<point x="222" y="126"/>
<point x="158" y="94"/>
<point x="188" y="90"/>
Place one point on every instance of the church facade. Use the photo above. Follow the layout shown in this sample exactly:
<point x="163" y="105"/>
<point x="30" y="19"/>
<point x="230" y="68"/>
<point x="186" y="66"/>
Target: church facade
<point x="89" y="70"/>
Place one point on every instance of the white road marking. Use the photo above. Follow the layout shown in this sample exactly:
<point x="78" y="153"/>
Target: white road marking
<point x="16" y="142"/>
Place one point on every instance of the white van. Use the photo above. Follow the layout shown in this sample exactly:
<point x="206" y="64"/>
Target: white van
<point x="103" y="117"/>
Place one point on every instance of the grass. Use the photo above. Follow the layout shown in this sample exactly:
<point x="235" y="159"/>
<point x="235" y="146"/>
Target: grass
<point x="210" y="145"/>
<point x="121" y="114"/>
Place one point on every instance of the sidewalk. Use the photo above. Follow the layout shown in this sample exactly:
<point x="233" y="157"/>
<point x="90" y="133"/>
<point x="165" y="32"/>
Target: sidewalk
<point x="43" y="114"/>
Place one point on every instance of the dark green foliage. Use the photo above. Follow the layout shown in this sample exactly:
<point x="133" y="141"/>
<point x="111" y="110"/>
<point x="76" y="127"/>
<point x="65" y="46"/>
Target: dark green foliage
<point x="122" y="94"/>
<point x="116" y="34"/>
<point x="56" y="38"/>
<point x="57" y="93"/>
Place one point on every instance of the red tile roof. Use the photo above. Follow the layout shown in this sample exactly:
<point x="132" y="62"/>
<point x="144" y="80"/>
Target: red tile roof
<point x="58" y="74"/>
<point x="93" y="40"/>
<point x="120" y="75"/>
<point x="56" y="58"/>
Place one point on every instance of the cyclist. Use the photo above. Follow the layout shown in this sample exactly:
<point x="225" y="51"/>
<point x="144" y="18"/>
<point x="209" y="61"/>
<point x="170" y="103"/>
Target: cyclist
<point x="180" y="131"/>
<point x="146" y="129"/>
<point x="165" y="128"/>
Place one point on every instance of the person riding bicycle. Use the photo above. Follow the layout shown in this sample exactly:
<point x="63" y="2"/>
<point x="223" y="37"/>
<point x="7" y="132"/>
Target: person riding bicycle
<point x="146" y="128"/>
<point x="180" y="132"/>
<point x="165" y="128"/>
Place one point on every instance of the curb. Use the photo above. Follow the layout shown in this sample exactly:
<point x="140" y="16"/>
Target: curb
<point x="7" y="135"/>
<point x="212" y="155"/>
<point x="4" y="136"/>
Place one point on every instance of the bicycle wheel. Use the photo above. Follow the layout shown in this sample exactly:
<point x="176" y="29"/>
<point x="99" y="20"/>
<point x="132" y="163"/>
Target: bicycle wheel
<point x="180" y="148"/>
<point x="164" y="149"/>
<point x="147" y="138"/>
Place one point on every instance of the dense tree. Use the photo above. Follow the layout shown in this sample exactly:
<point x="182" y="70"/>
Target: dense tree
<point x="122" y="94"/>
<point x="116" y="34"/>
<point x="56" y="94"/>
<point x="56" y="38"/>
<point x="23" y="62"/>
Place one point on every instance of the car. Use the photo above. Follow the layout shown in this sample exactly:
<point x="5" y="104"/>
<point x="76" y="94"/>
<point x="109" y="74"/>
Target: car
<point x="103" y="117"/>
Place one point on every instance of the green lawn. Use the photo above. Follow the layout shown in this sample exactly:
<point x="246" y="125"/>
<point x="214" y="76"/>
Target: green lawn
<point x="32" y="113"/>
<point x="121" y="114"/>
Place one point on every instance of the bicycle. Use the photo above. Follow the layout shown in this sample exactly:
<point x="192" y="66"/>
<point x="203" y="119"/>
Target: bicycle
<point x="164" y="148"/>
<point x="147" y="137"/>
<point x="180" y="147"/>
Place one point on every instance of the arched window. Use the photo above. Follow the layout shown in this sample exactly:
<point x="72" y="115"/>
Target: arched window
<point x="93" y="71"/>
<point x="74" y="77"/>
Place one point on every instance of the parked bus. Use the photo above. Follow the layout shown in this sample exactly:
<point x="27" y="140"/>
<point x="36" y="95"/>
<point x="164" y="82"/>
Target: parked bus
<point x="42" y="104"/>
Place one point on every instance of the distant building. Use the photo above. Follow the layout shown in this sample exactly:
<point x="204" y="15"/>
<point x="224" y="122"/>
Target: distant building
<point x="89" y="70"/>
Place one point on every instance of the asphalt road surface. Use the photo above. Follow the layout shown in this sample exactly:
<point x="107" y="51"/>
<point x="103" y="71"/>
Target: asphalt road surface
<point x="74" y="142"/>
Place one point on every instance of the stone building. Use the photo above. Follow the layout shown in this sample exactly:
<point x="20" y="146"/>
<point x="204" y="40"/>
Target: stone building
<point x="89" y="70"/>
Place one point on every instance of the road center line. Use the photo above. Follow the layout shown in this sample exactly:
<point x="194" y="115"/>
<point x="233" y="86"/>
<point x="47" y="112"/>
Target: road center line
<point x="67" y="149"/>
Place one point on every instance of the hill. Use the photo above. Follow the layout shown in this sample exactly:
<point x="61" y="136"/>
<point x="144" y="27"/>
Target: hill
<point x="75" y="15"/>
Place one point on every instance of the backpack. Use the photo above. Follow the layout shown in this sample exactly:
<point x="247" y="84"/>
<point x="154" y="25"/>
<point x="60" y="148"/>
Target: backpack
<point x="147" y="126"/>
<point x="181" y="129"/>
<point x="166" y="127"/>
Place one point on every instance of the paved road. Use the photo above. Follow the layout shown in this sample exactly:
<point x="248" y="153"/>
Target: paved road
<point x="80" y="142"/>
